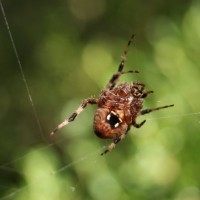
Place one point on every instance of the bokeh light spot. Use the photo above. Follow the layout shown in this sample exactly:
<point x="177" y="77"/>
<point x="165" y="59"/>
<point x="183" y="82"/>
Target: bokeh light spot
<point x="87" y="10"/>
<point x="96" y="60"/>
<point x="104" y="186"/>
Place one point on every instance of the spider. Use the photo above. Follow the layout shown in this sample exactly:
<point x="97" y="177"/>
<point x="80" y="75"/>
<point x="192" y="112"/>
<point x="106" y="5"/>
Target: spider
<point x="118" y="107"/>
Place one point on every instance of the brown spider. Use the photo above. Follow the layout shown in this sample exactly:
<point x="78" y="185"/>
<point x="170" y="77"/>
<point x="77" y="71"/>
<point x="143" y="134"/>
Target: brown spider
<point x="118" y="107"/>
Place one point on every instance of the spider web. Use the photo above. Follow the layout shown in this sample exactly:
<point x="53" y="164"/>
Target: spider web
<point x="91" y="158"/>
<point x="7" y="166"/>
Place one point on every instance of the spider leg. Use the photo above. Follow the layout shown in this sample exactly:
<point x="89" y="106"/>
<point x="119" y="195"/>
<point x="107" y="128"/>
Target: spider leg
<point x="135" y="84"/>
<point x="145" y="94"/>
<point x="139" y="125"/>
<point x="114" y="143"/>
<point x="123" y="60"/>
<point x="75" y="114"/>
<point x="146" y="111"/>
<point x="116" y="76"/>
<point x="140" y="84"/>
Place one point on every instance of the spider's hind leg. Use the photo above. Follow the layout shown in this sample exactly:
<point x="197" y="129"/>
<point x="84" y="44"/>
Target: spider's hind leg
<point x="114" y="143"/>
<point x="75" y="114"/>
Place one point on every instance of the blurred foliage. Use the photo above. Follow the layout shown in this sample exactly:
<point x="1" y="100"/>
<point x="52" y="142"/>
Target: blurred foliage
<point x="68" y="51"/>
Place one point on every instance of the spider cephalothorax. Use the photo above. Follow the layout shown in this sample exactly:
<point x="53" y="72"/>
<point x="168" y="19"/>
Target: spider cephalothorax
<point x="118" y="107"/>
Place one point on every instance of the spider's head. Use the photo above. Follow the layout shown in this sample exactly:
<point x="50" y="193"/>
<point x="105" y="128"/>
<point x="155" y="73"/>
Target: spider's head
<point x="108" y="124"/>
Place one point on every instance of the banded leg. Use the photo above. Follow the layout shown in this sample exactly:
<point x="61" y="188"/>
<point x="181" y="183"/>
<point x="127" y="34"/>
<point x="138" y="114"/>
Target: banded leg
<point x="139" y="125"/>
<point x="135" y="84"/>
<point x="75" y="114"/>
<point x="145" y="94"/>
<point x="123" y="60"/>
<point x="113" y="144"/>
<point x="146" y="111"/>
<point x="142" y="85"/>
<point x="115" y="77"/>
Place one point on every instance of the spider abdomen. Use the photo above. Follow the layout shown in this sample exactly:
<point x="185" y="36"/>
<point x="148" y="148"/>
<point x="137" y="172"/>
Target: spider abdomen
<point x="107" y="124"/>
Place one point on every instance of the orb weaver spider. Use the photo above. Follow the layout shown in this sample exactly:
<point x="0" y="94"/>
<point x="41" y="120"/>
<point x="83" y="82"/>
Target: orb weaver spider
<point x="118" y="107"/>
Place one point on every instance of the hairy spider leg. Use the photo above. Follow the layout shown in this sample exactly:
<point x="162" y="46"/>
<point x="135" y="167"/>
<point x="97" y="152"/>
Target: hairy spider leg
<point x="146" y="111"/>
<point x="144" y="94"/>
<point x="114" y="143"/>
<point x="139" y="125"/>
<point x="124" y="55"/>
<point x="116" y="76"/>
<point x="140" y="84"/>
<point x="75" y="114"/>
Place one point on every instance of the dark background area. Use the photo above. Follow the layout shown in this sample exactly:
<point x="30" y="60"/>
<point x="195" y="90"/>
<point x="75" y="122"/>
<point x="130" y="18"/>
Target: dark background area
<point x="68" y="51"/>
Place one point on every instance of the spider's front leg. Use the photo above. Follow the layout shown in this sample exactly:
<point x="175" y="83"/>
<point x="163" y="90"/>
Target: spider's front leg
<point x="75" y="114"/>
<point x="120" y="71"/>
<point x="116" y="76"/>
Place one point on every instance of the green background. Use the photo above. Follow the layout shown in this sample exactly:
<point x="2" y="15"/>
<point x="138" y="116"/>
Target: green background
<point x="68" y="51"/>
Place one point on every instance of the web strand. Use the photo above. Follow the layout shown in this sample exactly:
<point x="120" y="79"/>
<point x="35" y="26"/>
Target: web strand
<point x="78" y="161"/>
<point x="22" y="72"/>
<point x="174" y="116"/>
